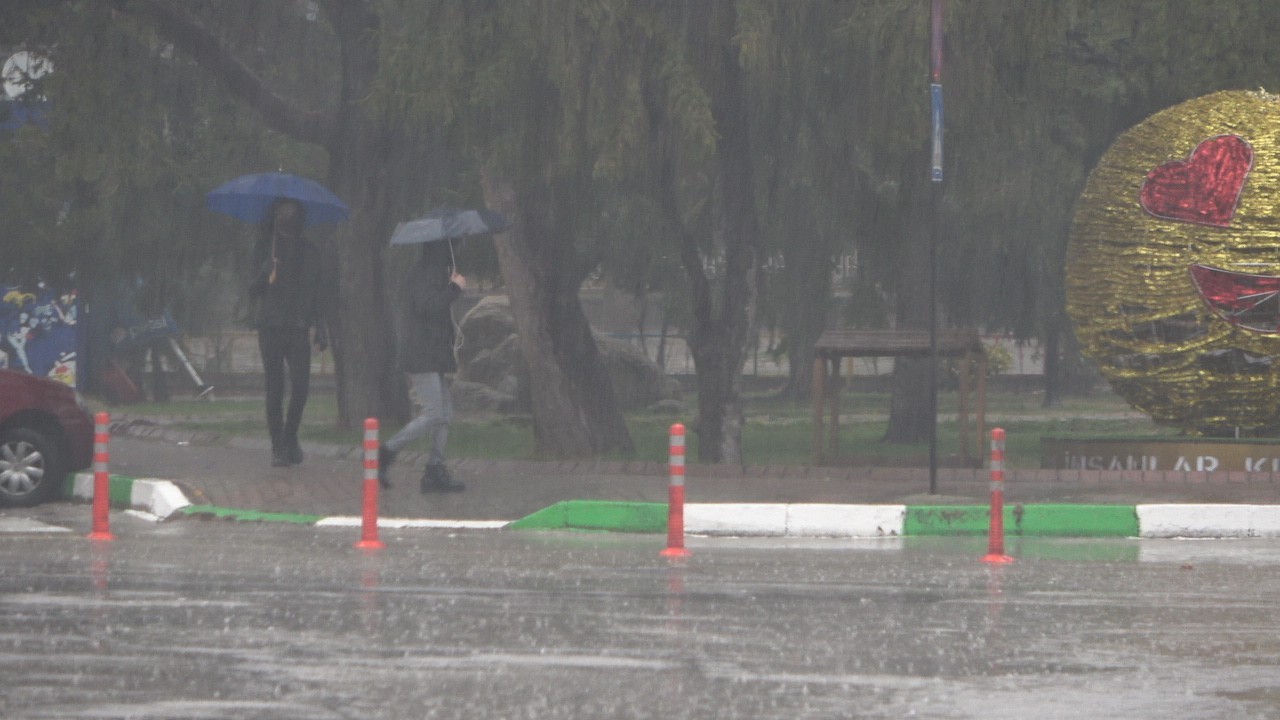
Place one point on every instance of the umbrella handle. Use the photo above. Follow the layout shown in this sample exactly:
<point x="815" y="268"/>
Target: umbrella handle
<point x="275" y="261"/>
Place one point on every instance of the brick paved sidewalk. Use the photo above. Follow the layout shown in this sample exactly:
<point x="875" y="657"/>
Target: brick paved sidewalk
<point x="237" y="473"/>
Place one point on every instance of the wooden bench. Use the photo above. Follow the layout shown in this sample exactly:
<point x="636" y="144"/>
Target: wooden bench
<point x="834" y="345"/>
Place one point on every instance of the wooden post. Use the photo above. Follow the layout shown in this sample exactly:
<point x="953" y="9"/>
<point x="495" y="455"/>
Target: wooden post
<point x="982" y="399"/>
<point x="833" y="445"/>
<point x="819" y="389"/>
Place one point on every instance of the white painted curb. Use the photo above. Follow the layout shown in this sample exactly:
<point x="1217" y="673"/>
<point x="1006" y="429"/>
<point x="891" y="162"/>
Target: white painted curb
<point x="794" y="520"/>
<point x="735" y="519"/>
<point x="396" y="523"/>
<point x="1209" y="521"/>
<point x="814" y="520"/>
<point x="83" y="486"/>
<point x="160" y="498"/>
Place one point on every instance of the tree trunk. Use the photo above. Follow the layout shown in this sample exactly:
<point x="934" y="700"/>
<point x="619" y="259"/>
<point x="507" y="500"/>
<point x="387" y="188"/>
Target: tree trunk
<point x="809" y="273"/>
<point x="369" y="383"/>
<point x="575" y="412"/>
<point x="661" y="356"/>
<point x="719" y="382"/>
<point x="1052" y="364"/>
<point x="800" y="371"/>
<point x="364" y="358"/>
<point x="722" y="330"/>
<point x="911" y="408"/>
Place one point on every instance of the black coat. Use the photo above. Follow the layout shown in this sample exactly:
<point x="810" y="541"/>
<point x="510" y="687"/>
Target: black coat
<point x="300" y="296"/>
<point x="426" y="321"/>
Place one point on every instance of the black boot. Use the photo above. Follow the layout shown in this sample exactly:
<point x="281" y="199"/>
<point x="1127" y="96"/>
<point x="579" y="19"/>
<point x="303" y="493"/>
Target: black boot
<point x="438" y="479"/>
<point x="295" y="453"/>
<point x="386" y="456"/>
<point x="279" y="456"/>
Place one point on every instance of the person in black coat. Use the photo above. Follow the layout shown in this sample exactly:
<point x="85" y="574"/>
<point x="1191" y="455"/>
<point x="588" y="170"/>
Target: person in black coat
<point x="292" y="291"/>
<point x="426" y="355"/>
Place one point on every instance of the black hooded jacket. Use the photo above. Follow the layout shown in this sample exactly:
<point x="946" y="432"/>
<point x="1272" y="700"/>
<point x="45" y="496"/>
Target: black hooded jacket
<point x="426" y="322"/>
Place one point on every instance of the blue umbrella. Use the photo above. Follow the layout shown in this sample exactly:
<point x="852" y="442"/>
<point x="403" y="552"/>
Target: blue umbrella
<point x="248" y="197"/>
<point x="448" y="224"/>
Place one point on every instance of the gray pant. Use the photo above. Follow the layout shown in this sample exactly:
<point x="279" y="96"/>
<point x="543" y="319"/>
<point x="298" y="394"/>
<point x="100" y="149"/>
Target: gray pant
<point x="431" y="393"/>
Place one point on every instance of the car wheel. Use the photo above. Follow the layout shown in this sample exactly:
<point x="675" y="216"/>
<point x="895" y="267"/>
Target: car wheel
<point x="30" y="468"/>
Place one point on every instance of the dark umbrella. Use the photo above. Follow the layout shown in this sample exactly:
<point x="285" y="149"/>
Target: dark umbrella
<point x="248" y="197"/>
<point x="448" y="224"/>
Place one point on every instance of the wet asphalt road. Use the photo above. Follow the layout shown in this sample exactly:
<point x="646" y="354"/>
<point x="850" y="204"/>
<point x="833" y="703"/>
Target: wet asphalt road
<point x="210" y="619"/>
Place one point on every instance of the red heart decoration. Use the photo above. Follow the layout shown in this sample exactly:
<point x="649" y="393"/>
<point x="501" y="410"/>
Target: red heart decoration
<point x="1203" y="189"/>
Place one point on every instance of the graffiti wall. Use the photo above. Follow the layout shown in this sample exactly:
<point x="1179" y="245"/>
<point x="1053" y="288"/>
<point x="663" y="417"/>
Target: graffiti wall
<point x="38" y="332"/>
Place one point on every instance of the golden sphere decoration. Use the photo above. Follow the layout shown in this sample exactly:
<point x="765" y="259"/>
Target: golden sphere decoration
<point x="1173" y="265"/>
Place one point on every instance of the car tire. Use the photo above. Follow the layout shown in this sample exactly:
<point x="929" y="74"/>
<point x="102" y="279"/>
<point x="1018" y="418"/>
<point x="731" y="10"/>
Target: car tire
<point x="31" y="467"/>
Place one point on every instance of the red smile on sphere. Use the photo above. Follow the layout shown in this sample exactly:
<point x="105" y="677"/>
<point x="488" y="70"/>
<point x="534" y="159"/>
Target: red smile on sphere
<point x="1203" y="189"/>
<point x="1248" y="301"/>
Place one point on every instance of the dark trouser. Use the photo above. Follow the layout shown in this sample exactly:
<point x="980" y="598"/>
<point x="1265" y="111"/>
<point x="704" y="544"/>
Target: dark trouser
<point x="281" y="347"/>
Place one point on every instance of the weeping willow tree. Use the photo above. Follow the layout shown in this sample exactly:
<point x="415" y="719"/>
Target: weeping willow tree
<point x="109" y="193"/>
<point x="727" y="132"/>
<point x="540" y="99"/>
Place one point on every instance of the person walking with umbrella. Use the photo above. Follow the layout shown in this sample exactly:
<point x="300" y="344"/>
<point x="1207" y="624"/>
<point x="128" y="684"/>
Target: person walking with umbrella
<point x="292" y="288"/>
<point x="426" y="355"/>
<point x="292" y="291"/>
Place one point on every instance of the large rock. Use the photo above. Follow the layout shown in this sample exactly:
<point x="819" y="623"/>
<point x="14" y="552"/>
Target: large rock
<point x="638" y="382"/>
<point x="485" y="327"/>
<point x="490" y="356"/>
<point x="478" y="397"/>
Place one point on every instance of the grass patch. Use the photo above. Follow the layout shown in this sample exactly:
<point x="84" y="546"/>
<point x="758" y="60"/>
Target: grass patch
<point x="777" y="431"/>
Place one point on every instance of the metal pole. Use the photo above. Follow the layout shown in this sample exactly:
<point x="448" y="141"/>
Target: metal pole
<point x="935" y="175"/>
<point x="933" y="345"/>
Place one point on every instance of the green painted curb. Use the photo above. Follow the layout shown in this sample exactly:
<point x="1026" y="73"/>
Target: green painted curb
<point x="1039" y="520"/>
<point x="221" y="513"/>
<point x="633" y="517"/>
<point x="119" y="490"/>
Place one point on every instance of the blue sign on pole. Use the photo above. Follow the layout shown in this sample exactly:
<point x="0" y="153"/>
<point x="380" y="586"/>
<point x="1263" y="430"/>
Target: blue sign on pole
<point x="935" y="93"/>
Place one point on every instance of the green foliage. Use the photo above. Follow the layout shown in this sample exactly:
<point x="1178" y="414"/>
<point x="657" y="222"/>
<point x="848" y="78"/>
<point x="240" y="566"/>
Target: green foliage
<point x="604" y="100"/>
<point x="115" y="188"/>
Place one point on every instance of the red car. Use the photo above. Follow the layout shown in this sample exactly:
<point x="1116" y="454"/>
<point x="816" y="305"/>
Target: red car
<point x="45" y="434"/>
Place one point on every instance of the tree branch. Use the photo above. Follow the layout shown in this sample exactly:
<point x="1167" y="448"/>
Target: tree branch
<point x="194" y="39"/>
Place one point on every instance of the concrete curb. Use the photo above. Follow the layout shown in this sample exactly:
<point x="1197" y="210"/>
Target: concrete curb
<point x="158" y="498"/>
<point x="162" y="500"/>
<point x="872" y="521"/>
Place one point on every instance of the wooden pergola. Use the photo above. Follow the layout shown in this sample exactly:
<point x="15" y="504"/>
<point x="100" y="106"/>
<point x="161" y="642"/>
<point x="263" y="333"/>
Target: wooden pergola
<point x="834" y="345"/>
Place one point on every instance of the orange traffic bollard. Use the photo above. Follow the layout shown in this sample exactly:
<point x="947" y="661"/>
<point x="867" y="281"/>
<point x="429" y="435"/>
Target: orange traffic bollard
<point x="101" y="480"/>
<point x="995" y="533"/>
<point x="369" y="517"/>
<point x="675" y="497"/>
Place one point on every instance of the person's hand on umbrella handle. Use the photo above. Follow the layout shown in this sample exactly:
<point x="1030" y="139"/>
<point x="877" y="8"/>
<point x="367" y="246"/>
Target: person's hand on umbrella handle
<point x="458" y="280"/>
<point x="321" y="339"/>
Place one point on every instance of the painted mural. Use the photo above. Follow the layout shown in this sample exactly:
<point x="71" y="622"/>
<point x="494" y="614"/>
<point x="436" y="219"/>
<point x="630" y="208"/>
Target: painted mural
<point x="38" y="332"/>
